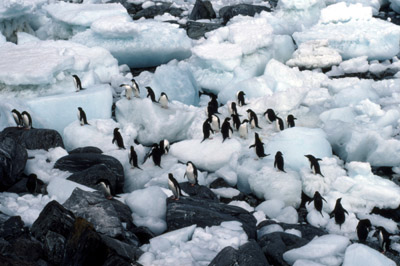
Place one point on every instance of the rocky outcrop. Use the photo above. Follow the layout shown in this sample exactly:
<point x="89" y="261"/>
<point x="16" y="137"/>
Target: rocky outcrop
<point x="202" y="10"/>
<point x="228" y="12"/>
<point x="34" y="138"/>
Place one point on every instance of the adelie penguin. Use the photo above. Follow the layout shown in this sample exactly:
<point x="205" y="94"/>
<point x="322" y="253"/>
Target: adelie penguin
<point x="17" y="118"/>
<point x="26" y="120"/>
<point x="207" y="130"/>
<point x="226" y="129"/>
<point x="133" y="160"/>
<point x="339" y="213"/>
<point x="259" y="146"/>
<point x="318" y="204"/>
<point x="77" y="82"/>
<point x="235" y="121"/>
<point x="383" y="238"/>
<point x="82" y="117"/>
<point x="105" y="187"/>
<point x="163" y="100"/>
<point x="164" y="146"/>
<point x="270" y="116"/>
<point x="155" y="154"/>
<point x="128" y="91"/>
<point x="191" y="173"/>
<point x="215" y="123"/>
<point x="135" y="87"/>
<point x="151" y="95"/>
<point x="252" y="118"/>
<point x="279" y="124"/>
<point x="244" y="129"/>
<point x="117" y="139"/>
<point x="314" y="164"/>
<point x="240" y="98"/>
<point x="363" y="228"/>
<point x="173" y="185"/>
<point x="279" y="163"/>
<point x="232" y="109"/>
<point x="213" y="105"/>
<point x="32" y="184"/>
<point x="290" y="120"/>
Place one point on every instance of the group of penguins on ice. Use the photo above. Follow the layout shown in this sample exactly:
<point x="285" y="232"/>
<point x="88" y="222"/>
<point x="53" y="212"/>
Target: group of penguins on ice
<point x="212" y="125"/>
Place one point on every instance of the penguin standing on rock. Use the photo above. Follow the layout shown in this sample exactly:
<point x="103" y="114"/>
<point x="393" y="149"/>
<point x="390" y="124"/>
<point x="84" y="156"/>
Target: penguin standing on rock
<point x="279" y="163"/>
<point x="339" y="213"/>
<point x="383" y="238"/>
<point x="270" y="115"/>
<point x="163" y="100"/>
<point x="363" y="228"/>
<point x="133" y="160"/>
<point x="82" y="117"/>
<point x="135" y="87"/>
<point x="17" y="118"/>
<point x="105" y="186"/>
<point x="77" y="82"/>
<point x="117" y="139"/>
<point x="240" y="98"/>
<point x="174" y="187"/>
<point x="259" y="146"/>
<point x="26" y="120"/>
<point x="252" y="118"/>
<point x="290" y="120"/>
<point x="207" y="130"/>
<point x="314" y="164"/>
<point x="318" y="202"/>
<point x="191" y="173"/>
<point x="244" y="129"/>
<point x="150" y="93"/>
<point x="279" y="124"/>
<point x="235" y="121"/>
<point x="226" y="129"/>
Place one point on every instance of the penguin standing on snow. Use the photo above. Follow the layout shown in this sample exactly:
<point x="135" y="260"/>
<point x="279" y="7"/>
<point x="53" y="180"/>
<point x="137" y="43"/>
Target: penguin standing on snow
<point x="383" y="238"/>
<point x="235" y="121"/>
<point x="150" y="93"/>
<point x="244" y="129"/>
<point x="164" y="146"/>
<point x="17" y="118"/>
<point x="135" y="87"/>
<point x="290" y="120"/>
<point x="240" y="98"/>
<point x="163" y="100"/>
<point x="339" y="212"/>
<point x="82" y="117"/>
<point x="26" y="120"/>
<point x="215" y="123"/>
<point x="191" y="173"/>
<point x="117" y="139"/>
<point x="363" y="228"/>
<point x="155" y="154"/>
<point x="174" y="187"/>
<point x="207" y="130"/>
<point x="232" y="109"/>
<point x="279" y="163"/>
<point x="77" y="82"/>
<point x="259" y="146"/>
<point x="318" y="202"/>
<point x="314" y="164"/>
<point x="252" y="118"/>
<point x="213" y="105"/>
<point x="279" y="124"/>
<point x="133" y="160"/>
<point x="128" y="90"/>
<point x="270" y="115"/>
<point x="226" y="129"/>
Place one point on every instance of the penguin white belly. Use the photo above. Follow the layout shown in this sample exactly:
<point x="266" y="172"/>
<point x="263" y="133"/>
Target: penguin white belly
<point x="243" y="131"/>
<point x="164" y="102"/>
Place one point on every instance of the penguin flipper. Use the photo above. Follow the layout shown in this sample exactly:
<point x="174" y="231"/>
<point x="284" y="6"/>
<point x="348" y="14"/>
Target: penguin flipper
<point x="345" y="211"/>
<point x="324" y="199"/>
<point x="258" y="127"/>
<point x="252" y="146"/>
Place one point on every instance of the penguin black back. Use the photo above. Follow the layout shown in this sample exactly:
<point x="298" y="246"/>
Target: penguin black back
<point x="270" y="115"/>
<point x="339" y="213"/>
<point x="233" y="109"/>
<point x="383" y="238"/>
<point x="77" y="82"/>
<point x="226" y="129"/>
<point x="318" y="202"/>
<point x="314" y="164"/>
<point x="236" y="121"/>
<point x="207" y="130"/>
<point x="32" y="184"/>
<point x="82" y="117"/>
<point x="118" y="139"/>
<point x="279" y="124"/>
<point x="290" y="120"/>
<point x="150" y="93"/>
<point x="174" y="186"/>
<point x="240" y="98"/>
<point x="253" y="119"/>
<point x="26" y="119"/>
<point x="279" y="162"/>
<point x="156" y="154"/>
<point x="133" y="160"/>
<point x="259" y="146"/>
<point x="213" y="105"/>
<point x="17" y="118"/>
<point x="363" y="228"/>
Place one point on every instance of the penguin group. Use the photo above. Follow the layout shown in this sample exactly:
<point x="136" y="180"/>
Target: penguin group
<point x="22" y="120"/>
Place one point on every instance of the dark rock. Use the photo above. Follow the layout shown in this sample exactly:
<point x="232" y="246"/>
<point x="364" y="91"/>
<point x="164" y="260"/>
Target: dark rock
<point x="275" y="244"/>
<point x="198" y="191"/>
<point x="54" y="245"/>
<point x="21" y="188"/>
<point x="187" y="211"/>
<point x="35" y="138"/>
<point x="228" y="256"/>
<point x="143" y="234"/>
<point x="219" y="183"/>
<point x="202" y="10"/>
<point x="101" y="212"/>
<point x="252" y="200"/>
<point x="228" y="12"/>
<point x="29" y="250"/>
<point x="81" y="161"/>
<point x="88" y="149"/>
<point x="123" y="250"/>
<point x="13" y="228"/>
<point x="91" y="176"/>
<point x="393" y="214"/>
<point x="196" y="30"/>
<point x="13" y="159"/>
<point x="156" y="10"/>
<point x="308" y="231"/>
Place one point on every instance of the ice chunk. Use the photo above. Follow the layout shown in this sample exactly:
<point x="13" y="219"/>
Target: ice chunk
<point x="226" y="192"/>
<point x="359" y="254"/>
<point x="355" y="65"/>
<point x="61" y="189"/>
<point x="343" y="12"/>
<point x="271" y="208"/>
<point x="288" y="215"/>
<point x="11" y="8"/>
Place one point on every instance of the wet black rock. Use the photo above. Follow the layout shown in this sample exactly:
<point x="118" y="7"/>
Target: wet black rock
<point x="196" y="30"/>
<point x="228" y="12"/>
<point x="13" y="228"/>
<point x="21" y="187"/>
<point x="13" y="157"/>
<point x="143" y="234"/>
<point x="187" y="211"/>
<point x="219" y="183"/>
<point x="88" y="149"/>
<point x="202" y="10"/>
<point x="393" y="214"/>
<point x="159" y="9"/>
<point x="35" y="138"/>
<point x="308" y="231"/>
<point x="197" y="191"/>
<point x="77" y="162"/>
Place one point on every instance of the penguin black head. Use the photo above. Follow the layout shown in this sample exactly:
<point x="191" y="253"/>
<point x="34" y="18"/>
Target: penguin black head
<point x="245" y="121"/>
<point x="227" y="119"/>
<point x="116" y="130"/>
<point x="278" y="153"/>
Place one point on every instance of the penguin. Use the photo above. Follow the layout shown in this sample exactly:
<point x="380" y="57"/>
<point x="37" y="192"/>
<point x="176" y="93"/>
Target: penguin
<point x="363" y="228"/>
<point x="163" y="100"/>
<point x="226" y="129"/>
<point x="270" y="115"/>
<point x="232" y="109"/>
<point x="32" y="184"/>
<point x="318" y="202"/>
<point x="215" y="123"/>
<point x="105" y="187"/>
<point x="383" y="238"/>
<point x="338" y="212"/>
<point x="150" y="93"/>
<point x="156" y="154"/>
<point x="211" y="109"/>
<point x="314" y="164"/>
<point x="118" y="139"/>
<point x="174" y="187"/>
<point x="133" y="160"/>
<point x="252" y="118"/>
<point x="279" y="124"/>
<point x="164" y="146"/>
<point x="259" y="146"/>
<point x="244" y="129"/>
<point x="128" y="90"/>
<point x="135" y="87"/>
<point x="26" y="119"/>
<point x="191" y="173"/>
<point x="279" y="163"/>
<point x="240" y="98"/>
<point x="213" y="104"/>
<point x="77" y="82"/>
<point x="290" y="120"/>
<point x="206" y="130"/>
<point x="17" y="118"/>
<point x="82" y="117"/>
<point x="235" y="121"/>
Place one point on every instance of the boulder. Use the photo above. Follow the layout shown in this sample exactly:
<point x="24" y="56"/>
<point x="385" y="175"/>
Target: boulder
<point x="198" y="191"/>
<point x="157" y="10"/>
<point x="187" y="211"/>
<point x="13" y="228"/>
<point x="393" y="214"/>
<point x="202" y="10"/>
<point x="88" y="149"/>
<point x="308" y="231"/>
<point x="196" y="30"/>
<point x="34" y="138"/>
<point x="228" y="12"/>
